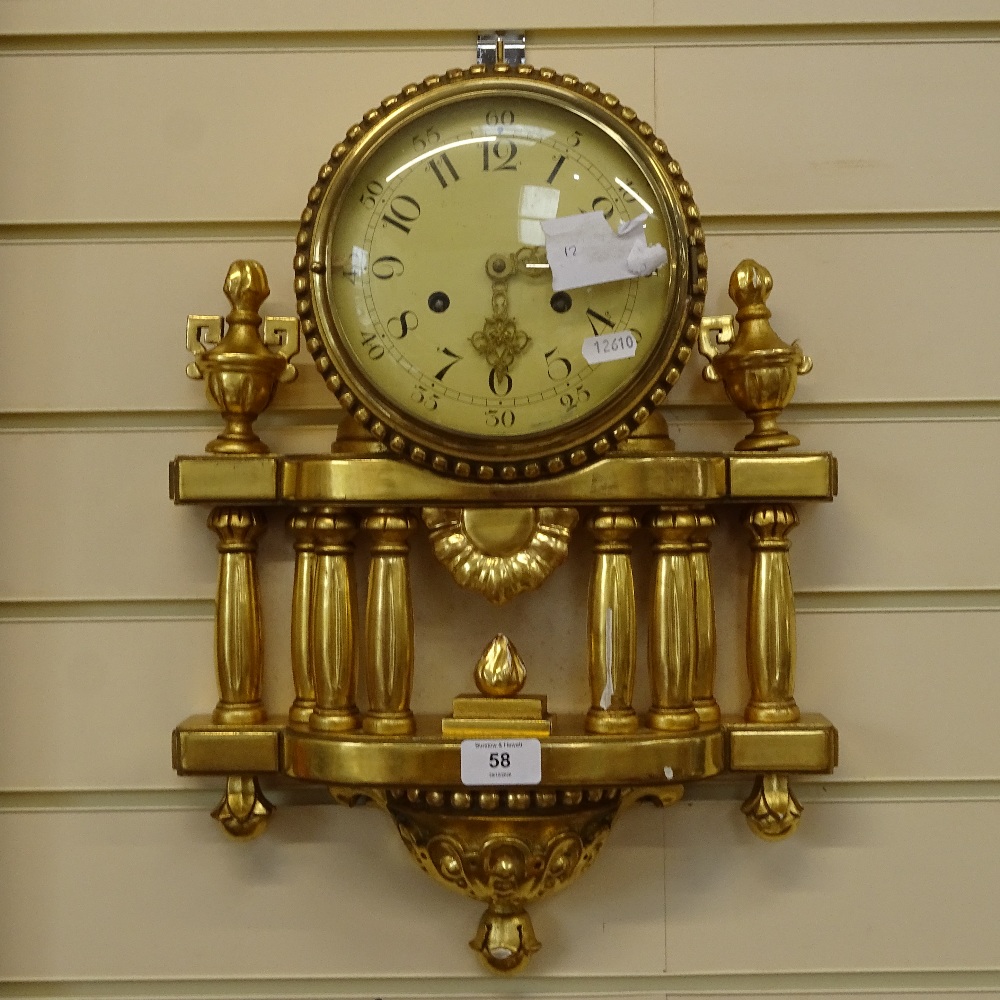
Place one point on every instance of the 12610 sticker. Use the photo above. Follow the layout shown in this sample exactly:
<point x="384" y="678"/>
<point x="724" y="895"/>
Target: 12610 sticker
<point x="609" y="347"/>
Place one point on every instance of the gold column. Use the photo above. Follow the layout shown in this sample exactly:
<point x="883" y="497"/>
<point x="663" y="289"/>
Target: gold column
<point x="301" y="525"/>
<point x="389" y="626"/>
<point x="239" y="643"/>
<point x="673" y="632"/>
<point x="703" y="687"/>
<point x="332" y="623"/>
<point x="611" y="624"/>
<point x="771" y="617"/>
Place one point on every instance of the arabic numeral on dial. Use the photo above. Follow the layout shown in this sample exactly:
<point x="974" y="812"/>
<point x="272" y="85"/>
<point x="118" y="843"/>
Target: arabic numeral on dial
<point x="403" y="212"/>
<point x="369" y="197"/>
<point x="451" y="364"/>
<point x="571" y="400"/>
<point x="500" y="385"/>
<point x="385" y="268"/>
<point x="443" y="169"/>
<point x="604" y="206"/>
<point x="399" y="326"/>
<point x="558" y="368"/>
<point x="500" y="418"/>
<point x="555" y="170"/>
<point x="425" y="398"/>
<point x="594" y="318"/>
<point x="374" y="348"/>
<point x="503" y="151"/>
<point x="495" y="118"/>
<point x="429" y="137"/>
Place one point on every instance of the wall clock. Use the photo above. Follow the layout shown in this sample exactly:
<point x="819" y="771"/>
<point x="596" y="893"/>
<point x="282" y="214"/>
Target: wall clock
<point x="500" y="273"/>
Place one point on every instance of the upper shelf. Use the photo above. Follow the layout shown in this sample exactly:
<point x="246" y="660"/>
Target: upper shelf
<point x="623" y="478"/>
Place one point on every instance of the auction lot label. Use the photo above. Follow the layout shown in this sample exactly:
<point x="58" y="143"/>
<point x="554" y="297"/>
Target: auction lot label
<point x="501" y="762"/>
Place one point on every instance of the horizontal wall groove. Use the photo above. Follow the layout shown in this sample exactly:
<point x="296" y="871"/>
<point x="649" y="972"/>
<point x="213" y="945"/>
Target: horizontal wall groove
<point x="899" y="601"/>
<point x="284" y="230"/>
<point x="983" y="982"/>
<point x="168" y="421"/>
<point x="203" y="609"/>
<point x="817" y="223"/>
<point x="930" y="411"/>
<point x="286" y="793"/>
<point x="547" y="31"/>
<point x="179" y="231"/>
<point x="318" y="417"/>
<point x="120" y="610"/>
<point x="278" y="40"/>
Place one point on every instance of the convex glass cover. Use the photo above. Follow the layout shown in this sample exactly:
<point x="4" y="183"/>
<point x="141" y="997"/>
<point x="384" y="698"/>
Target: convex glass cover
<point x="425" y="289"/>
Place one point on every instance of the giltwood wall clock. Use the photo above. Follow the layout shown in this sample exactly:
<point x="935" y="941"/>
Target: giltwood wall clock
<point x="500" y="273"/>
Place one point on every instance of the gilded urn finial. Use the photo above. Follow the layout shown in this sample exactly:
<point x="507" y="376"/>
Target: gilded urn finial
<point x="759" y="370"/>
<point x="240" y="372"/>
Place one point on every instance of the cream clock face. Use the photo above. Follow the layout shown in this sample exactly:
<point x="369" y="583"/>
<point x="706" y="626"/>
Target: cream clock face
<point x="433" y="297"/>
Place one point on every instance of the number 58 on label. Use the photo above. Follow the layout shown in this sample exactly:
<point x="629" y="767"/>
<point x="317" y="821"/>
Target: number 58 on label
<point x="501" y="762"/>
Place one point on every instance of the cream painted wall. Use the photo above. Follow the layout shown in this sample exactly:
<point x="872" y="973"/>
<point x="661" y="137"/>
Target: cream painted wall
<point x="852" y="147"/>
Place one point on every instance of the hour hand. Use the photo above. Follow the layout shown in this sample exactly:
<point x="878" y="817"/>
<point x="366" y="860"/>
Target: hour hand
<point x="501" y="340"/>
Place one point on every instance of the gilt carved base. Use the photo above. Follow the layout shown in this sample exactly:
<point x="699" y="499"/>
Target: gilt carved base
<point x="507" y="849"/>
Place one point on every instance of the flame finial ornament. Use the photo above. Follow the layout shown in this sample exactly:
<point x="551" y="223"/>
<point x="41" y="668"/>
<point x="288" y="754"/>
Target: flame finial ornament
<point x="500" y="671"/>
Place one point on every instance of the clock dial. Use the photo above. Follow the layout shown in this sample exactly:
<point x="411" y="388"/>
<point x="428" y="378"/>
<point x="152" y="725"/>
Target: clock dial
<point x="428" y="257"/>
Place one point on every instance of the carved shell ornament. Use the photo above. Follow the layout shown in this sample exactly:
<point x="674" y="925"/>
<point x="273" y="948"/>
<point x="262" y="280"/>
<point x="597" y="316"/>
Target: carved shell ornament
<point x="500" y="552"/>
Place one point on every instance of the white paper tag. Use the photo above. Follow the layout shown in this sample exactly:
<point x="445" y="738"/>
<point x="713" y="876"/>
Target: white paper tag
<point x="584" y="250"/>
<point x="501" y="762"/>
<point x="609" y="347"/>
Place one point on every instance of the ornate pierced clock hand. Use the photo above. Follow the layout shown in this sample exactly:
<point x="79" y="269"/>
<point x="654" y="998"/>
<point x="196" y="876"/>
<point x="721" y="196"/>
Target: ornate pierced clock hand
<point x="501" y="341"/>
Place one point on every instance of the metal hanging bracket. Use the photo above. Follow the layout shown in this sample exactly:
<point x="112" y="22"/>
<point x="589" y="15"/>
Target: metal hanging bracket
<point x="494" y="47"/>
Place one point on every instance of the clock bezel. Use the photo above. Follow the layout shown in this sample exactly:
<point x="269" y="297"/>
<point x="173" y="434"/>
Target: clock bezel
<point x="551" y="451"/>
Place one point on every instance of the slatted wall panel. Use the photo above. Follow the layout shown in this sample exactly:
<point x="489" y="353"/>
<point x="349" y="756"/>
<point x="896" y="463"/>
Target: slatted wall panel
<point x="852" y="147"/>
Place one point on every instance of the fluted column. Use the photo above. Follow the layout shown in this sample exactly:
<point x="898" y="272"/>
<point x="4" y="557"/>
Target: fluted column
<point x="703" y="686"/>
<point x="673" y="625"/>
<point x="771" y="616"/>
<point x="239" y="642"/>
<point x="389" y="625"/>
<point x="332" y="623"/>
<point x="303" y="677"/>
<point x="611" y="625"/>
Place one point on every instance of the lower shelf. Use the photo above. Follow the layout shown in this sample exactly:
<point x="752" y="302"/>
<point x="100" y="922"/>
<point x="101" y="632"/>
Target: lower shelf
<point x="570" y="756"/>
